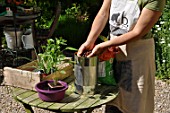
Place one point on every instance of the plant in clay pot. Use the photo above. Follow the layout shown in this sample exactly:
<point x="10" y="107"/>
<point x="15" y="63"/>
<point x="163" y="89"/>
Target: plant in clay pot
<point x="49" y="61"/>
<point x="52" y="89"/>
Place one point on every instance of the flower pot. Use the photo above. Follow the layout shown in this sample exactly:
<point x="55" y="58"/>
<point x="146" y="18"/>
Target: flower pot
<point x="49" y="94"/>
<point x="11" y="38"/>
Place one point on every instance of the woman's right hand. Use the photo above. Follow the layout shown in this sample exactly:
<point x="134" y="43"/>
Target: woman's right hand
<point x="85" y="47"/>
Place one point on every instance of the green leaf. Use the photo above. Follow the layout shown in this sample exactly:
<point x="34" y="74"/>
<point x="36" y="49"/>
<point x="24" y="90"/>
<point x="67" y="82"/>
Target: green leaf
<point x="71" y="48"/>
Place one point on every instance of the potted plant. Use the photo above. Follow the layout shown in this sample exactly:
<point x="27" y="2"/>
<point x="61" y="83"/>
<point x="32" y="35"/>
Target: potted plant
<point x="49" y="62"/>
<point x="51" y="90"/>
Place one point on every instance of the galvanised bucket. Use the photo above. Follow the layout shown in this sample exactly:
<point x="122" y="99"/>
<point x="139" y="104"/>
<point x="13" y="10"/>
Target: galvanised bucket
<point x="85" y="71"/>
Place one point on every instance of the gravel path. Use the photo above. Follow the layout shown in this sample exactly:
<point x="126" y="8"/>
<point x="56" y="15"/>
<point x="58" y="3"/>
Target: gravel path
<point x="162" y="97"/>
<point x="9" y="105"/>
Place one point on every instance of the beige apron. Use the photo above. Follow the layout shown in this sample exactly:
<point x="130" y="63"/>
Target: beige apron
<point x="135" y="71"/>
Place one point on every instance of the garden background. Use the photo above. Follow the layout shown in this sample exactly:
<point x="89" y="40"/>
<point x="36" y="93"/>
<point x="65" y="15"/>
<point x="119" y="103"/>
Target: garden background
<point x="75" y="22"/>
<point x="74" y="25"/>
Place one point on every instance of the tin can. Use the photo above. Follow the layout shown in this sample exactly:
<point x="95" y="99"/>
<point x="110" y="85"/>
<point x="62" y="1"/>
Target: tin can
<point x="85" y="71"/>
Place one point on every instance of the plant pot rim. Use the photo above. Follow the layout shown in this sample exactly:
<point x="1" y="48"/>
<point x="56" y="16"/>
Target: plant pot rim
<point x="50" y="91"/>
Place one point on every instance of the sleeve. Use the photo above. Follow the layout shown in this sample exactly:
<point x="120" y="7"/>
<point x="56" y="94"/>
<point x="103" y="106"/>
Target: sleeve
<point x="157" y="5"/>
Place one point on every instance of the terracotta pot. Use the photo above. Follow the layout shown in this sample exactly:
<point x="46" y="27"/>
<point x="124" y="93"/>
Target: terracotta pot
<point x="51" y="95"/>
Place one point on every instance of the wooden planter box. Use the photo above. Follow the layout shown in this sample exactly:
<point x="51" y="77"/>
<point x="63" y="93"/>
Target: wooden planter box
<point x="25" y="77"/>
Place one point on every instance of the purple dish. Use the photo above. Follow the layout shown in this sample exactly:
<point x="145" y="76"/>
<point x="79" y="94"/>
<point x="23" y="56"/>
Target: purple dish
<point x="50" y="95"/>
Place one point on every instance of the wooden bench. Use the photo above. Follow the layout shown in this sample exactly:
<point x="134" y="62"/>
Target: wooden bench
<point x="72" y="102"/>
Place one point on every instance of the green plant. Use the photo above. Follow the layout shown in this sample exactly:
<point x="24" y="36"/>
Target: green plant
<point x="52" y="56"/>
<point x="162" y="44"/>
<point x="55" y="80"/>
<point x="72" y="29"/>
<point x="48" y="10"/>
<point x="76" y="12"/>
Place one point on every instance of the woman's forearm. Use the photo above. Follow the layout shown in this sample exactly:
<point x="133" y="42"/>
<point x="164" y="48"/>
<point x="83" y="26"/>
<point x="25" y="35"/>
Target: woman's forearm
<point x="144" y="24"/>
<point x="97" y="27"/>
<point x="99" y="22"/>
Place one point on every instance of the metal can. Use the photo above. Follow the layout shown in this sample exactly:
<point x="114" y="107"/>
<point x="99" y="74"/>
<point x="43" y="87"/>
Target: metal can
<point x="85" y="71"/>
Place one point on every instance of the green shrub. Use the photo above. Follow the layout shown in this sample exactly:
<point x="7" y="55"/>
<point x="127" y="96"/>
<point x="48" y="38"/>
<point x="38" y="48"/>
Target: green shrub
<point x="162" y="44"/>
<point x="75" y="32"/>
<point x="75" y="24"/>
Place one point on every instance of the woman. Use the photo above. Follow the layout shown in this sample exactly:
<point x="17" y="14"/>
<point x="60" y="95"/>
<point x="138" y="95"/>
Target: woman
<point x="130" y="22"/>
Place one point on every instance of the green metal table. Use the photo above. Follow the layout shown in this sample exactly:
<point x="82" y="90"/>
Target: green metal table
<point x="72" y="102"/>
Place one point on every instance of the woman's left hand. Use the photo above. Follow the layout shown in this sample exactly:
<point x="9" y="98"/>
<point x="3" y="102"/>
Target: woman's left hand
<point x="100" y="48"/>
<point x="97" y="50"/>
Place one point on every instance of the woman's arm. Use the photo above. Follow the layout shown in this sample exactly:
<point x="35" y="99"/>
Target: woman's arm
<point x="99" y="21"/>
<point x="97" y="27"/>
<point x="144" y="24"/>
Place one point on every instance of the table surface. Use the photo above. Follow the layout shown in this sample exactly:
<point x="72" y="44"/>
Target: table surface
<point x="72" y="101"/>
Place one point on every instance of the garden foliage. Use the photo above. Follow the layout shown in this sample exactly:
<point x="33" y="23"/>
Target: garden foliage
<point x="161" y="33"/>
<point x="76" y="19"/>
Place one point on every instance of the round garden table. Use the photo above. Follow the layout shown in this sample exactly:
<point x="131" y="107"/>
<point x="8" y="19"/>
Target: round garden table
<point x="72" y="101"/>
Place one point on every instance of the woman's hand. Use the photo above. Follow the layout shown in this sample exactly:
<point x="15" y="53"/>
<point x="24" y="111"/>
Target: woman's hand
<point x="100" y="50"/>
<point x="85" y="47"/>
<point x="97" y="50"/>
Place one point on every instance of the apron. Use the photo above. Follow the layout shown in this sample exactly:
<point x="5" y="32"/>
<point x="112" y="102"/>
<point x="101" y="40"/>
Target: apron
<point x="135" y="72"/>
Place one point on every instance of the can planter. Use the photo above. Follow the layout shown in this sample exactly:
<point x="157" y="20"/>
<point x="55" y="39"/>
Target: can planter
<point x="51" y="94"/>
<point x="13" y="40"/>
<point x="85" y="74"/>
